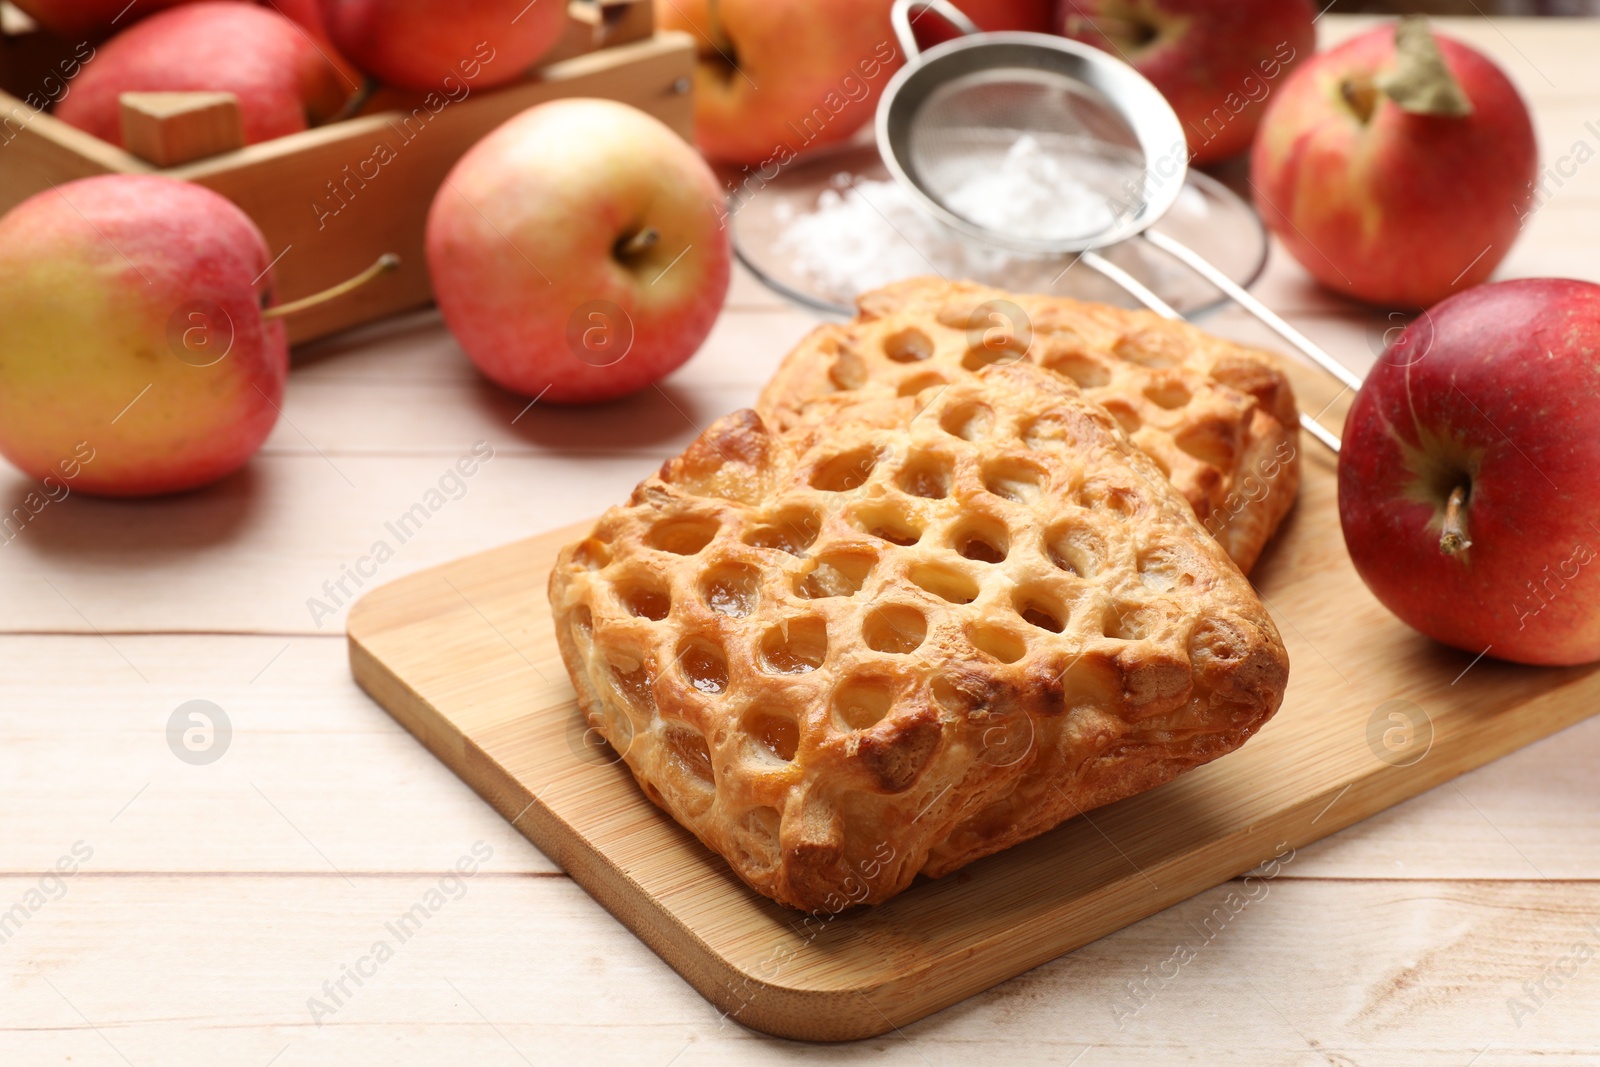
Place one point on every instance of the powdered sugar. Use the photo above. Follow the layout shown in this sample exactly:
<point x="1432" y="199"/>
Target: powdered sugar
<point x="864" y="234"/>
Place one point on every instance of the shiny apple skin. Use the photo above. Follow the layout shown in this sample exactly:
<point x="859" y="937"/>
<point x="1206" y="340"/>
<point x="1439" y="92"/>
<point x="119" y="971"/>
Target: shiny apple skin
<point x="1497" y="388"/>
<point x="442" y="44"/>
<point x="522" y="244"/>
<point x="784" y="76"/>
<point x="1405" y="209"/>
<point x="282" y="80"/>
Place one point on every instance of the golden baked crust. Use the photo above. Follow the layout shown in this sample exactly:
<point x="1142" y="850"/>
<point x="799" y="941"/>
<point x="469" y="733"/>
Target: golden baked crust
<point x="1218" y="418"/>
<point x="910" y="636"/>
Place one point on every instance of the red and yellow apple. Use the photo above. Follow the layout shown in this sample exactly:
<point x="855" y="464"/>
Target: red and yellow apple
<point x="1396" y="176"/>
<point x="1467" y="476"/>
<point x="131" y="324"/>
<point x="425" y="44"/>
<point x="776" y="77"/>
<point x="283" y="81"/>
<point x="578" y="253"/>
<point x="1216" y="61"/>
<point x="91" y="19"/>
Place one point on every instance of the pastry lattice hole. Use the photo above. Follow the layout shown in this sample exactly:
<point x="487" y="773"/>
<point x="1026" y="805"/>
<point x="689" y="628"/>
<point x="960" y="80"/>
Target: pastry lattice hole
<point x="705" y="666"/>
<point x="1150" y="348"/>
<point x="895" y="629"/>
<point x="982" y="540"/>
<point x="910" y="345"/>
<point x="1041" y="610"/>
<point x="946" y="583"/>
<point x="793" y="532"/>
<point x="1165" y="569"/>
<point x="760" y="840"/>
<point x="592" y="554"/>
<point x="918" y="382"/>
<point x="1210" y="443"/>
<point x="1170" y="394"/>
<point x="862" y="702"/>
<point x="1003" y="645"/>
<point x="1015" y="480"/>
<point x="636" y="689"/>
<point x="925" y="475"/>
<point x="1131" y="622"/>
<point x="583" y="620"/>
<point x="683" y="537"/>
<point x="889" y="525"/>
<point x="646" y="602"/>
<point x="845" y="472"/>
<point x="994" y="351"/>
<point x="1087" y="371"/>
<point x="1120" y="501"/>
<point x="686" y="748"/>
<point x="1126" y="417"/>
<point x="797" y="646"/>
<point x="778" y="734"/>
<point x="967" y="421"/>
<point x="836" y="574"/>
<point x="1077" y="550"/>
<point x="731" y="590"/>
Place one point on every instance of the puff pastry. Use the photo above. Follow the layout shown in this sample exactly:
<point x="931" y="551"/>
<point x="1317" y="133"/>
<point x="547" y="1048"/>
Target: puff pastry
<point x="909" y="636"/>
<point x="1219" y="419"/>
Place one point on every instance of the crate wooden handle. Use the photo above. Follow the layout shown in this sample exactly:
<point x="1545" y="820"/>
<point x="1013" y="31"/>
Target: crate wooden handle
<point x="169" y="129"/>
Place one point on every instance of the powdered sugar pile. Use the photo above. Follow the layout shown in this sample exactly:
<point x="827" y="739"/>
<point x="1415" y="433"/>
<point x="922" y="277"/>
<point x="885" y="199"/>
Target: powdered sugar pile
<point x="865" y="234"/>
<point x="1029" y="194"/>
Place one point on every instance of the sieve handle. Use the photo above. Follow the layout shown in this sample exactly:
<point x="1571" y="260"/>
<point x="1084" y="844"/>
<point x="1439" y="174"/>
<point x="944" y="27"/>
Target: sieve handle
<point x="1146" y="296"/>
<point x="901" y="17"/>
<point x="1239" y="295"/>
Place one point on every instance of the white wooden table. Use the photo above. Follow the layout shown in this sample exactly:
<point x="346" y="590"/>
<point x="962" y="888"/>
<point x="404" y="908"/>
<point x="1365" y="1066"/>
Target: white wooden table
<point x="216" y="901"/>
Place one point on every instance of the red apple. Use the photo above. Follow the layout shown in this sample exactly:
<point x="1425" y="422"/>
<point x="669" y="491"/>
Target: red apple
<point x="91" y="19"/>
<point x="1033" y="16"/>
<point x="430" y="44"/>
<point x="1490" y="399"/>
<point x="283" y="81"/>
<point x="131" y="329"/>
<point x="1394" y="178"/>
<point x="776" y="77"/>
<point x="1215" y="61"/>
<point x="577" y="252"/>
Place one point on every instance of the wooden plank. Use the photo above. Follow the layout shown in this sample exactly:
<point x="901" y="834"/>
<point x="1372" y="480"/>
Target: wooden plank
<point x="464" y="656"/>
<point x="196" y="970"/>
<point x="374" y="801"/>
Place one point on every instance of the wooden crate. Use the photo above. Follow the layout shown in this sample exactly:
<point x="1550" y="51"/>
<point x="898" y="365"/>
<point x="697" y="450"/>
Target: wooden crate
<point x="326" y="203"/>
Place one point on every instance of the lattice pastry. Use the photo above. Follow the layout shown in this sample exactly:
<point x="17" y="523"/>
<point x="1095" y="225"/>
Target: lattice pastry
<point x="1219" y="419"/>
<point x="909" y="637"/>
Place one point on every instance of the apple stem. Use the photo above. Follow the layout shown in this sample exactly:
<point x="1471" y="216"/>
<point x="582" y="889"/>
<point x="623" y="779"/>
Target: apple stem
<point x="1420" y="81"/>
<point x="639" y="243"/>
<point x="1454" y="539"/>
<point x="386" y="263"/>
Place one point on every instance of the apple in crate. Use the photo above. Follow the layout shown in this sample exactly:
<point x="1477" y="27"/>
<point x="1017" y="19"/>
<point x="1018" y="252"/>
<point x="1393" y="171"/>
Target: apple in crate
<point x="1467" y="477"/>
<point x="90" y="19"/>
<point x="1398" y="167"/>
<point x="578" y="253"/>
<point x="284" y="82"/>
<point x="777" y="77"/>
<point x="131" y="329"/>
<point x="439" y="44"/>
<point x="1216" y="61"/>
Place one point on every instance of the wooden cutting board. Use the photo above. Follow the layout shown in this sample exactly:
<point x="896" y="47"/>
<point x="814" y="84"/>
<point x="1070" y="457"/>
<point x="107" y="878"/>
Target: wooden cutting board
<point x="464" y="656"/>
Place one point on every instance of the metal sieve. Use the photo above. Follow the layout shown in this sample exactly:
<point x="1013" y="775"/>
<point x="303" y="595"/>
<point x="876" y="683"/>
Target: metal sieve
<point x="1092" y="152"/>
